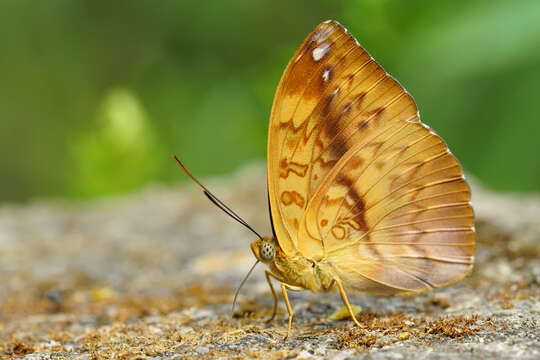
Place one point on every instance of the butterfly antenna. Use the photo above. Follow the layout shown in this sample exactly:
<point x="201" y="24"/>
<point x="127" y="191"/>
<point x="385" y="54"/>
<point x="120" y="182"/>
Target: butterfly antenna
<point x="242" y="284"/>
<point x="215" y="200"/>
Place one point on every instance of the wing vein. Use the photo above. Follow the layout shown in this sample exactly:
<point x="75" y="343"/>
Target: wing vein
<point x="422" y="221"/>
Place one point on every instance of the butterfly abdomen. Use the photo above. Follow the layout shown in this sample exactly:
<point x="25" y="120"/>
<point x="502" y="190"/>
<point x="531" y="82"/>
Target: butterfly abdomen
<point x="299" y="271"/>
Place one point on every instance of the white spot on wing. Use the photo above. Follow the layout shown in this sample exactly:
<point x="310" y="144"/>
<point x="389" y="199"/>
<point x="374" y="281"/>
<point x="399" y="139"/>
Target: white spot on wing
<point x="326" y="75"/>
<point x="320" y="51"/>
<point x="321" y="35"/>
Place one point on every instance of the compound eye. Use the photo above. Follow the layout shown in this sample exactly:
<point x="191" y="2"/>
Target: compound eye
<point x="267" y="251"/>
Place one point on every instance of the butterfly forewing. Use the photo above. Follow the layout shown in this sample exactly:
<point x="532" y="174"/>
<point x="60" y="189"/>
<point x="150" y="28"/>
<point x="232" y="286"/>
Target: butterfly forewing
<point x="355" y="178"/>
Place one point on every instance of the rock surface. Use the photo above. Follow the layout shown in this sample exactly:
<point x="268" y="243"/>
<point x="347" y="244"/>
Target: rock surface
<point x="152" y="275"/>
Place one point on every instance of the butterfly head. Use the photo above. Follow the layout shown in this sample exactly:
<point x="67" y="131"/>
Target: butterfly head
<point x="264" y="249"/>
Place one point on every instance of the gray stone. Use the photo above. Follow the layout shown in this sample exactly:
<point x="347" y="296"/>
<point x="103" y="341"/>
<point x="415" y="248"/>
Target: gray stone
<point x="154" y="274"/>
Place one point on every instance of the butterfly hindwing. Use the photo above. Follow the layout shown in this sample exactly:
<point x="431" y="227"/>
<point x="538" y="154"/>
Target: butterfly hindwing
<point x="399" y="216"/>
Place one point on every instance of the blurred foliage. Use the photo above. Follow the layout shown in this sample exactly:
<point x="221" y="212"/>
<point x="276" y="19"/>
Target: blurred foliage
<point x="96" y="95"/>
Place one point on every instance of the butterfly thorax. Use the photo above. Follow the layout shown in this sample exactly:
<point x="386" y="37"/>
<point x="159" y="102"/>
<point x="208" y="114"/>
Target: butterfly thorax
<point x="295" y="270"/>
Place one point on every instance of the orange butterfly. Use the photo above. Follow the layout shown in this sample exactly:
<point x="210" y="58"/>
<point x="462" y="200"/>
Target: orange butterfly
<point x="363" y="196"/>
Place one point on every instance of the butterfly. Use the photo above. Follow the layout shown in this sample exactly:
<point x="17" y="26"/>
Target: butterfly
<point x="363" y="196"/>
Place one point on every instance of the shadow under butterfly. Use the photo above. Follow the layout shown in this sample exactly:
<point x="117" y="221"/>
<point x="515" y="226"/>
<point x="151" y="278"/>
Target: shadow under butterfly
<point x="363" y="196"/>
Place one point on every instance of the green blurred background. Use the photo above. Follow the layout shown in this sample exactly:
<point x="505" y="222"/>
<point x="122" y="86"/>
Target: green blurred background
<point x="95" y="96"/>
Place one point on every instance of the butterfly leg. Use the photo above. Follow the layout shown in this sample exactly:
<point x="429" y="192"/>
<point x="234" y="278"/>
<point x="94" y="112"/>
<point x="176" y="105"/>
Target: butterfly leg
<point x="289" y="309"/>
<point x="347" y="304"/>
<point x="268" y="274"/>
